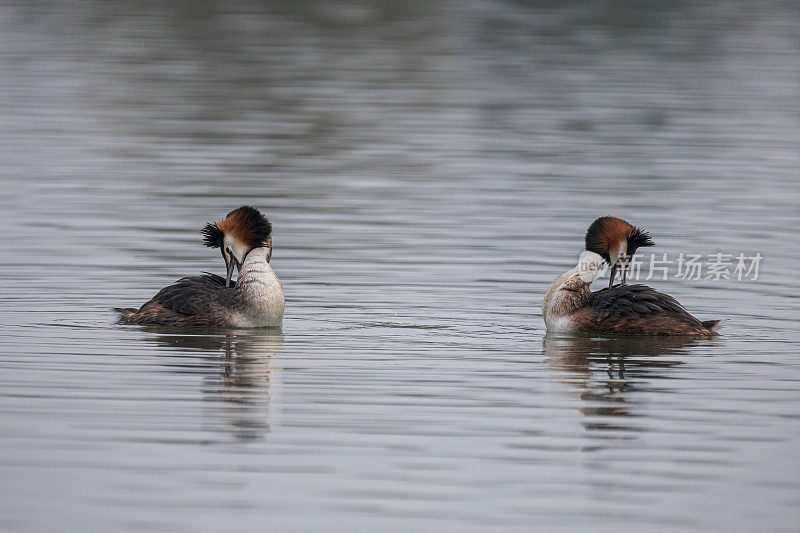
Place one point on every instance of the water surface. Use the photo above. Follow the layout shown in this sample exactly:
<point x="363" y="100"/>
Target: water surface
<point x="428" y="169"/>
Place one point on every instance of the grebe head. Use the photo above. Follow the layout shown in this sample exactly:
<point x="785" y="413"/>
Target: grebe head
<point x="615" y="241"/>
<point x="242" y="230"/>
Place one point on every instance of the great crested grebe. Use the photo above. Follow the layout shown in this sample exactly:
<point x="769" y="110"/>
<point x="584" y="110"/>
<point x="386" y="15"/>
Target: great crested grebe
<point x="571" y="306"/>
<point x="254" y="300"/>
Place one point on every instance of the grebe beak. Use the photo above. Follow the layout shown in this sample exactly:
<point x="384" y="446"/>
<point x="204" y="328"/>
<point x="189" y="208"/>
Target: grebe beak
<point x="625" y="261"/>
<point x="234" y="263"/>
<point x="613" y="274"/>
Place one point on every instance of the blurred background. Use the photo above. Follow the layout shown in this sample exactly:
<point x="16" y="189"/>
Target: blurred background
<point x="429" y="168"/>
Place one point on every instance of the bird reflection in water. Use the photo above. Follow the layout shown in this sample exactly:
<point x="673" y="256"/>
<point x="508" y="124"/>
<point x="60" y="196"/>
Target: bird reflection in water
<point x="610" y="372"/>
<point x="241" y="377"/>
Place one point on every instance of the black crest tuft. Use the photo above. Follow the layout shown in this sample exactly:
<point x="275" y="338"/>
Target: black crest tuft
<point x="212" y="236"/>
<point x="638" y="238"/>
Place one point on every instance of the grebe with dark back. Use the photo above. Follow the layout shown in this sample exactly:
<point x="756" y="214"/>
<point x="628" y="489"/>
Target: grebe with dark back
<point x="256" y="298"/>
<point x="571" y="306"/>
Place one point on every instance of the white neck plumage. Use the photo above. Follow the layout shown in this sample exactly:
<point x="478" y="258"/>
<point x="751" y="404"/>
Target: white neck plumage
<point x="258" y="290"/>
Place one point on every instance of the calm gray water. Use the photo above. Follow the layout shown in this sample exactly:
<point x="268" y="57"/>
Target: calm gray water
<point x="428" y="168"/>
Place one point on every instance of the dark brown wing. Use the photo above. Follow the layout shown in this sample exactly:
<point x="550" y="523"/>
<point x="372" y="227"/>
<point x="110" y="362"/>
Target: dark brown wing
<point x="635" y="301"/>
<point x="193" y="300"/>
<point x="638" y="309"/>
<point x="195" y="295"/>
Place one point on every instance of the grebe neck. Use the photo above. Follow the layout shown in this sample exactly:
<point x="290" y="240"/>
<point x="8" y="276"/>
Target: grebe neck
<point x="259" y="293"/>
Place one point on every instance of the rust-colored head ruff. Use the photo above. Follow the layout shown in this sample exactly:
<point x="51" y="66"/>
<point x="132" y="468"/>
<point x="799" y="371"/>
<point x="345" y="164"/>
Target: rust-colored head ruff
<point x="611" y="237"/>
<point x="245" y="225"/>
<point x="243" y="230"/>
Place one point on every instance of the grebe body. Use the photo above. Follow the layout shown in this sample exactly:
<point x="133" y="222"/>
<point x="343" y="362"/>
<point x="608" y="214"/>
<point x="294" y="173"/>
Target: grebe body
<point x="256" y="299"/>
<point x="570" y="306"/>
